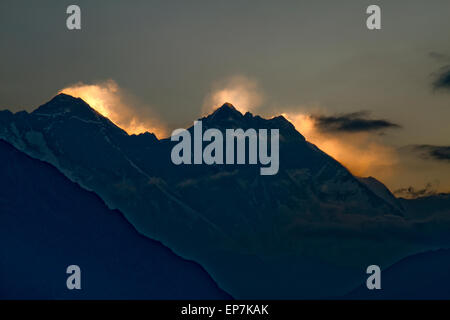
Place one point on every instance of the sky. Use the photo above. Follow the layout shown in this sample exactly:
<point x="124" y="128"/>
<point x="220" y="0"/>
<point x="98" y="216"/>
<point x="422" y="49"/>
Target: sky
<point x="377" y="101"/>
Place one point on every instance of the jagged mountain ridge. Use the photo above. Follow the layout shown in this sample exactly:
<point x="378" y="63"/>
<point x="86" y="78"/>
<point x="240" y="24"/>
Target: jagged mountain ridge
<point x="48" y="223"/>
<point x="199" y="211"/>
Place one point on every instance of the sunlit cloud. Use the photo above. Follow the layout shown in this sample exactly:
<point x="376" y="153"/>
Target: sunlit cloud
<point x="111" y="101"/>
<point x="361" y="152"/>
<point x="243" y="93"/>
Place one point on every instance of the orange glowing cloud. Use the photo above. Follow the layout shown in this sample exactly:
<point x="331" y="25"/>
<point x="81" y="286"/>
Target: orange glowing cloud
<point x="109" y="100"/>
<point x="362" y="153"/>
<point x="243" y="93"/>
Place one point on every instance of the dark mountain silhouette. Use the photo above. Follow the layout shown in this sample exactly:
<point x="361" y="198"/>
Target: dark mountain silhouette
<point x="382" y="191"/>
<point x="424" y="207"/>
<point x="303" y="233"/>
<point x="48" y="223"/>
<point x="421" y="276"/>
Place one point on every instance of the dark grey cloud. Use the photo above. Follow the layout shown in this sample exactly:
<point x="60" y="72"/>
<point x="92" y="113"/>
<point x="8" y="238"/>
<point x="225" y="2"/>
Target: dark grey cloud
<point x="427" y="151"/>
<point x="438" y="56"/>
<point x="411" y="192"/>
<point x="352" y="122"/>
<point x="442" y="80"/>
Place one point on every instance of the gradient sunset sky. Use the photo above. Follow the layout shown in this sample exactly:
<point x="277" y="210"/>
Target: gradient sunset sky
<point x="378" y="101"/>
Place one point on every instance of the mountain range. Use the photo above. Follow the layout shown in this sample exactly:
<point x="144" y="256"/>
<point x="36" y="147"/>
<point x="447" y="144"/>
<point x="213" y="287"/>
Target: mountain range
<point x="306" y="232"/>
<point x="48" y="223"/>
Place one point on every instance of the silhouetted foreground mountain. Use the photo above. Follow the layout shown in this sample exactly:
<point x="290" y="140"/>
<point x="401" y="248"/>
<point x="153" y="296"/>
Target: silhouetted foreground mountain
<point x="306" y="232"/>
<point x="48" y="223"/>
<point x="421" y="276"/>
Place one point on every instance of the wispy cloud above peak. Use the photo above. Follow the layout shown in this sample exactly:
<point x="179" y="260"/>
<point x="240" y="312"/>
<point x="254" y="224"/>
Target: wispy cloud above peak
<point x="111" y="101"/>
<point x="242" y="92"/>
